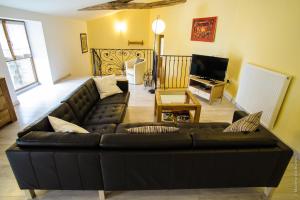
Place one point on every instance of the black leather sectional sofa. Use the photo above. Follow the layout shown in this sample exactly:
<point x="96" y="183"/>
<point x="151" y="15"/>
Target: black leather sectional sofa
<point x="109" y="158"/>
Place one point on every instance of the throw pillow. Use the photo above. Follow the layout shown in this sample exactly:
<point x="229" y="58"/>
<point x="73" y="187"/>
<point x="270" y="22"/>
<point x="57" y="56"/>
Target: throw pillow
<point x="152" y="129"/>
<point x="246" y="124"/>
<point x="107" y="86"/>
<point x="60" y="125"/>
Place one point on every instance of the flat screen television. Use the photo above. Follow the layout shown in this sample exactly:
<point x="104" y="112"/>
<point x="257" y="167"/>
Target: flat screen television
<point x="209" y="67"/>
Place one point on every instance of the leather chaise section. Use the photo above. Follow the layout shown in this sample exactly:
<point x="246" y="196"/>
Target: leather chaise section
<point x="106" y="114"/>
<point x="57" y="139"/>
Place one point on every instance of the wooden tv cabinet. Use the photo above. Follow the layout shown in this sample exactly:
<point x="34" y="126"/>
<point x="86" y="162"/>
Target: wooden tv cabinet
<point x="209" y="90"/>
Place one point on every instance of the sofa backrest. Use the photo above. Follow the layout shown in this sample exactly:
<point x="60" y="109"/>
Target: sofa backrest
<point x="141" y="141"/>
<point x="63" y="111"/>
<point x="91" y="86"/>
<point x="81" y="102"/>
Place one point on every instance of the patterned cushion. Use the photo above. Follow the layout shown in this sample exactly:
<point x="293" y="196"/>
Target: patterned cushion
<point x="153" y="129"/>
<point x="246" y="124"/>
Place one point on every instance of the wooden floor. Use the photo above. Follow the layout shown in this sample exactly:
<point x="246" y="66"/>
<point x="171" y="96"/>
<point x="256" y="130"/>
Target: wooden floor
<point x="40" y="100"/>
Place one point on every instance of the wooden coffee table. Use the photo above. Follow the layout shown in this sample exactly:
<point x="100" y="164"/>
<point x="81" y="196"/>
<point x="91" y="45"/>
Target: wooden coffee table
<point x="176" y="100"/>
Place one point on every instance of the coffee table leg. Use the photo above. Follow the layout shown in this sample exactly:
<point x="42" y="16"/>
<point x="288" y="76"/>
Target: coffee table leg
<point x="197" y="115"/>
<point x="158" y="113"/>
<point x="155" y="106"/>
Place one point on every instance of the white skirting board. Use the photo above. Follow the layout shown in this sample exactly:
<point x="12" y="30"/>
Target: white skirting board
<point x="262" y="90"/>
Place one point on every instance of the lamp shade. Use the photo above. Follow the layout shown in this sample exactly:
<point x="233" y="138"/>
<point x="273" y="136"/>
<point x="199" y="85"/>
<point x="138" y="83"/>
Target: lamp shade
<point x="158" y="26"/>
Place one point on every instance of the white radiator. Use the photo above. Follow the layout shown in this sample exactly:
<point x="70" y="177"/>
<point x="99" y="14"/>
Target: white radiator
<point x="262" y="90"/>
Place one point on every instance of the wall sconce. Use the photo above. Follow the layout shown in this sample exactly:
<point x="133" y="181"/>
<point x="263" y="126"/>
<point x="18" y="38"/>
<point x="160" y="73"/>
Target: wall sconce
<point x="120" y="26"/>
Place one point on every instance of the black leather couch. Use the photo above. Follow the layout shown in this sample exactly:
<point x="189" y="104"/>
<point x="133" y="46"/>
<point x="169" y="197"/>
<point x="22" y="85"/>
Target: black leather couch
<point x="109" y="158"/>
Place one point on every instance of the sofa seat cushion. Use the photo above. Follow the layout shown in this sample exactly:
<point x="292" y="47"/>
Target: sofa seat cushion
<point x="59" y="139"/>
<point x="145" y="141"/>
<point x="101" y="128"/>
<point x="122" y="98"/>
<point x="106" y="114"/>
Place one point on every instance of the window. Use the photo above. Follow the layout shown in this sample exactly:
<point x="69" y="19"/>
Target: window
<point x="17" y="53"/>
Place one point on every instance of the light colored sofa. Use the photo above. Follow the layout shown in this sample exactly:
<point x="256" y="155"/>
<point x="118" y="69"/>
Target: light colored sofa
<point x="135" y="70"/>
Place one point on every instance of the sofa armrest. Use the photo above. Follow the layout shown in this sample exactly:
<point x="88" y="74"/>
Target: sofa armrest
<point x="238" y="114"/>
<point x="123" y="85"/>
<point x="59" y="139"/>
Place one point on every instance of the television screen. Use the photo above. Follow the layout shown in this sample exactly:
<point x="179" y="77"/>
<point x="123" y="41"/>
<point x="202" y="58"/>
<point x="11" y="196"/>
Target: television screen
<point x="209" y="67"/>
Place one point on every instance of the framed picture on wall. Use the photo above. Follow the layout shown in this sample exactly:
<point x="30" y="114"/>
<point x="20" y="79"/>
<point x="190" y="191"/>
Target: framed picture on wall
<point x="83" y="41"/>
<point x="204" y="29"/>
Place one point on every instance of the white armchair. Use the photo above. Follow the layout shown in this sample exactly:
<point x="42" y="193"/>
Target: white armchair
<point x="135" y="70"/>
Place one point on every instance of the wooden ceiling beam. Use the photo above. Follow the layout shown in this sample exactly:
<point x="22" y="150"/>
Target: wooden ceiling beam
<point x="125" y="4"/>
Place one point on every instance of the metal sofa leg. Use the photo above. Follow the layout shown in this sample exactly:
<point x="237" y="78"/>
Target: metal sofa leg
<point x="268" y="192"/>
<point x="29" y="194"/>
<point x="101" y="195"/>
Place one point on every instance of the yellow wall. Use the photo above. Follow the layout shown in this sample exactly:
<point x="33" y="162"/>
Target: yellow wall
<point x="261" y="32"/>
<point x="102" y="32"/>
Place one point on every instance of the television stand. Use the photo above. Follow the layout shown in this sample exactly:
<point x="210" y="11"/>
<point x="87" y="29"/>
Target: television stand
<point x="210" y="90"/>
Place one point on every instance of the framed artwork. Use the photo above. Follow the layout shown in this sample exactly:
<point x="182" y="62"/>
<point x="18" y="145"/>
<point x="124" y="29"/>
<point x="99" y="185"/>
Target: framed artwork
<point x="83" y="41"/>
<point x="204" y="29"/>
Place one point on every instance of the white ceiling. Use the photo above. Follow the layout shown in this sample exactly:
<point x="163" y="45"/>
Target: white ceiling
<point x="67" y="8"/>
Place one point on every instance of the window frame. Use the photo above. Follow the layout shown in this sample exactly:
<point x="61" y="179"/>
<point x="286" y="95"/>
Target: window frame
<point x="14" y="58"/>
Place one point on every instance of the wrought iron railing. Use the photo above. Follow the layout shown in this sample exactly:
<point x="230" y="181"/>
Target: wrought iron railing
<point x="173" y="71"/>
<point x="111" y="61"/>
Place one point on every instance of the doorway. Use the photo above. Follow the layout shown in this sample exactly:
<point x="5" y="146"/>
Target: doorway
<point x="17" y="53"/>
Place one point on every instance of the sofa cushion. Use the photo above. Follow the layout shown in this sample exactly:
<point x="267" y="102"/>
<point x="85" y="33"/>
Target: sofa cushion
<point x="107" y="86"/>
<point x="122" y="98"/>
<point x="91" y="86"/>
<point x="153" y="129"/>
<point x="123" y="127"/>
<point x="63" y="111"/>
<point x="59" y="139"/>
<point x="81" y="102"/>
<point x="101" y="128"/>
<point x="142" y="141"/>
<point x="106" y="114"/>
<point x="60" y="125"/>
<point x="248" y="123"/>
